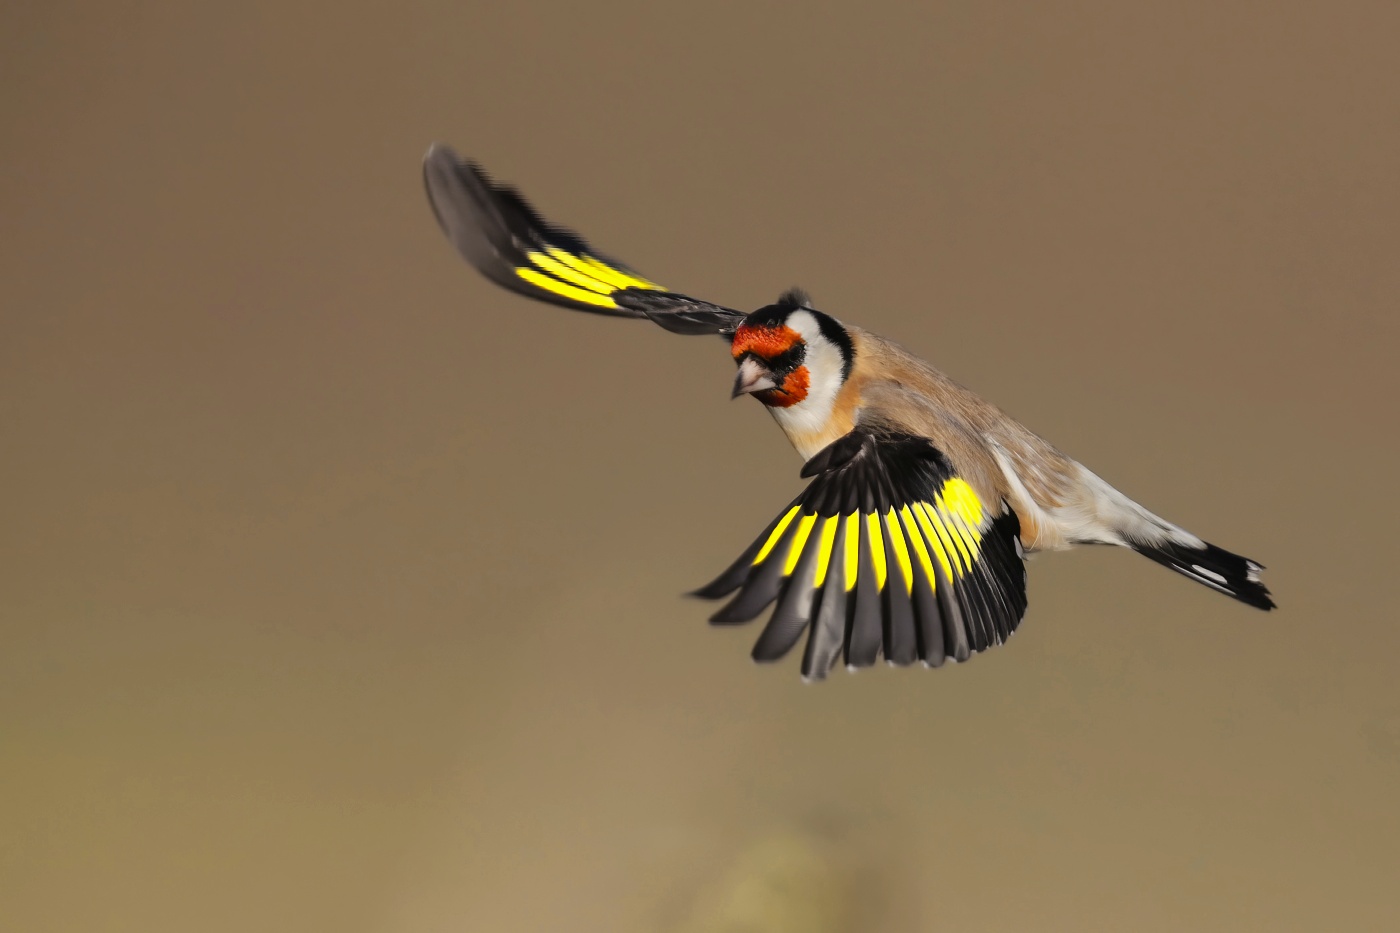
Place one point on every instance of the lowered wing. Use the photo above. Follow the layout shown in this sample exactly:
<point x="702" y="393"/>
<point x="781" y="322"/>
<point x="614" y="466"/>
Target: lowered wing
<point x="887" y="551"/>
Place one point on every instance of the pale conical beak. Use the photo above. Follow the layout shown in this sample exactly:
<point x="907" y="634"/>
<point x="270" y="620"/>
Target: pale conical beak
<point x="753" y="377"/>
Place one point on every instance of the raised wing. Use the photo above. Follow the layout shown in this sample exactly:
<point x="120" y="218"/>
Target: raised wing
<point x="498" y="232"/>
<point x="887" y="551"/>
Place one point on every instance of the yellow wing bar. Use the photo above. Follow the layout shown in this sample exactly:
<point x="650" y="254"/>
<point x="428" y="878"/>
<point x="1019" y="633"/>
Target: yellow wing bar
<point x="508" y="241"/>
<point x="579" y="277"/>
<point x="946" y="529"/>
<point x="889" y="553"/>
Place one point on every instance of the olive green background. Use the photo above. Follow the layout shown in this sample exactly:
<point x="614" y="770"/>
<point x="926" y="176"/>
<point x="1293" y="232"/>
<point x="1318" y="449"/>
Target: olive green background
<point x="339" y="589"/>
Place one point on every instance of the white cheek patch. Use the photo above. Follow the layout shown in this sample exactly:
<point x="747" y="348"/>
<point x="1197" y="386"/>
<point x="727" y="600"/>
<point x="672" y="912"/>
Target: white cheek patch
<point x="806" y="326"/>
<point x="825" y="364"/>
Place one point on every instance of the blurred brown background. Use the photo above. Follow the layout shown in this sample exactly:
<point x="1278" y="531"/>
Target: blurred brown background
<point x="339" y="588"/>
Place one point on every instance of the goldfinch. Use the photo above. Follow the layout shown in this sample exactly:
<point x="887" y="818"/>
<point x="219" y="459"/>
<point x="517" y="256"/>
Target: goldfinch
<point x="910" y="540"/>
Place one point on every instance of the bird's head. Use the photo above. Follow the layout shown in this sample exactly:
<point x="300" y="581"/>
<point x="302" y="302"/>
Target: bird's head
<point x="791" y="354"/>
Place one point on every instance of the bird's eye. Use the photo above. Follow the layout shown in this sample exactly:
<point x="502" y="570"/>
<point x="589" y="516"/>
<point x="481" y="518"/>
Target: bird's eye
<point x="789" y="359"/>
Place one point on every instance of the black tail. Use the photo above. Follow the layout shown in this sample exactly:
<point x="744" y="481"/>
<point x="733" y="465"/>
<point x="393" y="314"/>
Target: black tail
<point x="1216" y="567"/>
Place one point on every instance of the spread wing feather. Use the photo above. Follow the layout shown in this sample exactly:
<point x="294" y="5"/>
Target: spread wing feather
<point x="886" y="552"/>
<point x="497" y="231"/>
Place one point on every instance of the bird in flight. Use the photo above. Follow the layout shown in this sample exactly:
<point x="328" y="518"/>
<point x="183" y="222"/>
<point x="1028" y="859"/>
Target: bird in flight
<point x="909" y="541"/>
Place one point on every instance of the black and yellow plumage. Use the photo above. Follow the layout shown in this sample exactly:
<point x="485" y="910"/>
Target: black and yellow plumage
<point x="498" y="232"/>
<point x="886" y="552"/>
<point x="909" y="541"/>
